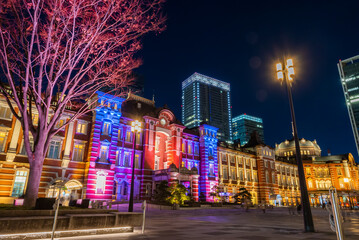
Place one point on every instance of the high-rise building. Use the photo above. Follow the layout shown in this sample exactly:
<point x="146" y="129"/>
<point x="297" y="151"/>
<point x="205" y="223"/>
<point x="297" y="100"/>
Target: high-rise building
<point x="205" y="99"/>
<point x="243" y="126"/>
<point x="349" y="76"/>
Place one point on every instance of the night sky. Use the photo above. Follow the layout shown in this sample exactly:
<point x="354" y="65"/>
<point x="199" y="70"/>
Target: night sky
<point x="240" y="41"/>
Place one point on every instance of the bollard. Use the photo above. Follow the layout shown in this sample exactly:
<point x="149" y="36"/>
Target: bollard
<point x="57" y="203"/>
<point x="336" y="215"/>
<point x="144" y="216"/>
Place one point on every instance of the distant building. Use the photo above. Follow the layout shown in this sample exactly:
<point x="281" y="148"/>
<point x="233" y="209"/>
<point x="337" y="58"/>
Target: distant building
<point x="349" y="76"/>
<point x="243" y="126"/>
<point x="205" y="99"/>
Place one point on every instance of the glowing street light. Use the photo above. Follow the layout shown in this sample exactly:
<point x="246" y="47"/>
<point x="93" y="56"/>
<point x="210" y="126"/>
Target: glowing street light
<point x="135" y="128"/>
<point x="287" y="75"/>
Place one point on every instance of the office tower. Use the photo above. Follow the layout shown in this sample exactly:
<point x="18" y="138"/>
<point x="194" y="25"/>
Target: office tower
<point x="243" y="126"/>
<point x="349" y="76"/>
<point x="205" y="99"/>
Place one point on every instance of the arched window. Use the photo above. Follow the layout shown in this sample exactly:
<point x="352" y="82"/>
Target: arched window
<point x="210" y="151"/>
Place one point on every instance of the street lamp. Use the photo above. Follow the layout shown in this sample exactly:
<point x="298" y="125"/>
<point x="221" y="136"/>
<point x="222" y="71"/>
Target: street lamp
<point x="135" y="128"/>
<point x="346" y="180"/>
<point x="287" y="74"/>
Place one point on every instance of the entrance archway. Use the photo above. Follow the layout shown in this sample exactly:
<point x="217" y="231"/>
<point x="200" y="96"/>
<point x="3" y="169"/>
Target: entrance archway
<point x="71" y="190"/>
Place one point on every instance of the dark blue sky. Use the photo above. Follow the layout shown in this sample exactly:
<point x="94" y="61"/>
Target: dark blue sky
<point x="239" y="42"/>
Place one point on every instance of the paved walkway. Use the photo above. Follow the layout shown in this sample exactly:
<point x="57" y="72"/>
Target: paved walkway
<point x="219" y="223"/>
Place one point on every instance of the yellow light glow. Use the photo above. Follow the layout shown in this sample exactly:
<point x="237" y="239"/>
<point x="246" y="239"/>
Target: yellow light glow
<point x="279" y="67"/>
<point x="290" y="63"/>
<point x="280" y="76"/>
<point x="346" y="180"/>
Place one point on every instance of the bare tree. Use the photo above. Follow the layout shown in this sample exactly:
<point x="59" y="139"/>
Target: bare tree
<point x="56" y="54"/>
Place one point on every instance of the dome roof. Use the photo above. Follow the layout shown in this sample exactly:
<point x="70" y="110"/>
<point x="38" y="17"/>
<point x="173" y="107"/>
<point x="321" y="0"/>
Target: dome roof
<point x="287" y="144"/>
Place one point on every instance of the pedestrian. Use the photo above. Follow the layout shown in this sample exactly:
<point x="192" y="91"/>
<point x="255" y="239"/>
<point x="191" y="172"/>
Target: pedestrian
<point x="299" y="208"/>
<point x="264" y="208"/>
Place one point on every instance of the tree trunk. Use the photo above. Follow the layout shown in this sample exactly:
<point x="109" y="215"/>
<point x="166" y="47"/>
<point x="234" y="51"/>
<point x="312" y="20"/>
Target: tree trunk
<point x="33" y="182"/>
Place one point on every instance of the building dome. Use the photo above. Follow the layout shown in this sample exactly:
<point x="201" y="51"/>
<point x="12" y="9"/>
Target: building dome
<point x="307" y="148"/>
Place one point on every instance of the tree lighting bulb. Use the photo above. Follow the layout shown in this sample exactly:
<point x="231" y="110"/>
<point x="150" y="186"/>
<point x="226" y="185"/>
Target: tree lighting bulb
<point x="290" y="63"/>
<point x="279" y="67"/>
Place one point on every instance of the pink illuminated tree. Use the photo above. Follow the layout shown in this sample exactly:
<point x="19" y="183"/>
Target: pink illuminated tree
<point x="55" y="55"/>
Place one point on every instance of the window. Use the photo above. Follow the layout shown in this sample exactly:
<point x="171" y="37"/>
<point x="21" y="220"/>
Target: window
<point x="211" y="169"/>
<point x="267" y="176"/>
<point x="54" y="149"/>
<point x="233" y="160"/>
<point x="19" y="183"/>
<point x="23" y="150"/>
<point x="156" y="163"/>
<point x="119" y="135"/>
<point x="233" y="174"/>
<point x="138" y="138"/>
<point x="81" y="128"/>
<point x="78" y="154"/>
<point x="225" y="173"/>
<point x="157" y="144"/>
<point x="126" y="160"/>
<point x="106" y="128"/>
<point x="2" y="140"/>
<point x="196" y="149"/>
<point x="100" y="182"/>
<point x="59" y="123"/>
<point x="210" y="151"/>
<point x="5" y="112"/>
<point x="254" y="163"/>
<point x="35" y="119"/>
<point x="128" y="136"/>
<point x="165" y="165"/>
<point x="137" y="161"/>
<point x="248" y="175"/>
<point x="255" y="176"/>
<point x="279" y="180"/>
<point x="189" y="148"/>
<point x="310" y="183"/>
<point x="248" y="162"/>
<point x="241" y="175"/>
<point x="183" y="147"/>
<point x="265" y="164"/>
<point x="272" y="165"/>
<point x="273" y="177"/>
<point x="104" y="153"/>
<point x="339" y="171"/>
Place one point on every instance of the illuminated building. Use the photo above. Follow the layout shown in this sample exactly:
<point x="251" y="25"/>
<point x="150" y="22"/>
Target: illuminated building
<point x="321" y="172"/>
<point x="243" y="126"/>
<point x="349" y="76"/>
<point x="94" y="156"/>
<point x="205" y="99"/>
<point x="66" y="157"/>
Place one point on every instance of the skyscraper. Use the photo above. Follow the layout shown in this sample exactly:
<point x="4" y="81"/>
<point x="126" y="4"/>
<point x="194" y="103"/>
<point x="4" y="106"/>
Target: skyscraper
<point x="205" y="99"/>
<point x="349" y="76"/>
<point x="243" y="126"/>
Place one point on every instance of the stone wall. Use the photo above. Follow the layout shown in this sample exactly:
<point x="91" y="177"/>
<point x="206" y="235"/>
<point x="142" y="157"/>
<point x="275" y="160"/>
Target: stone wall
<point x="69" y="222"/>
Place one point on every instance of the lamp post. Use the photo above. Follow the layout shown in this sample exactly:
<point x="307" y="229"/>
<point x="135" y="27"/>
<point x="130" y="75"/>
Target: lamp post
<point x="346" y="180"/>
<point x="135" y="128"/>
<point x="286" y="74"/>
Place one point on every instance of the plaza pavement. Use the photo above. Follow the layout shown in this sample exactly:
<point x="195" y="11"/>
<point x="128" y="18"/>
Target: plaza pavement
<point x="230" y="223"/>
